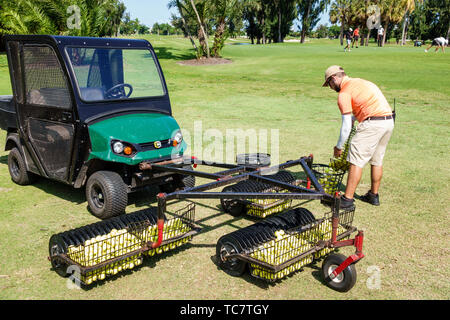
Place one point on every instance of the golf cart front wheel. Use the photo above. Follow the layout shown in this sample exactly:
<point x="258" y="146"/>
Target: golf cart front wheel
<point x="344" y="281"/>
<point x="106" y="194"/>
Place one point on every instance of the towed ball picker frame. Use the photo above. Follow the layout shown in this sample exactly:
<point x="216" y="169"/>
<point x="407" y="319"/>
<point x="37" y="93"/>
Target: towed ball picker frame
<point x="236" y="173"/>
<point x="153" y="232"/>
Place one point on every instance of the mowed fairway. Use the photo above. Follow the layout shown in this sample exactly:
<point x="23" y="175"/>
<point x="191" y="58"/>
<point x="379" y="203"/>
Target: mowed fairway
<point x="274" y="86"/>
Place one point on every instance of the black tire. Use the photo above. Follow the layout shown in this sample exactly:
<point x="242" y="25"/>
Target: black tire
<point x="345" y="280"/>
<point x="106" y="194"/>
<point x="233" y="267"/>
<point x="18" y="170"/>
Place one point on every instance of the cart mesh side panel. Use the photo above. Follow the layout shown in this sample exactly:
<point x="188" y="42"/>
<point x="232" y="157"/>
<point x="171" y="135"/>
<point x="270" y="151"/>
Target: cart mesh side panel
<point x="53" y="143"/>
<point x="45" y="82"/>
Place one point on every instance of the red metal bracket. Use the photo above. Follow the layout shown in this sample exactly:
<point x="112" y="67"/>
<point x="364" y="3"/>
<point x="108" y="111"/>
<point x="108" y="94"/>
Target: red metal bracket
<point x="358" y="243"/>
<point x="194" y="158"/>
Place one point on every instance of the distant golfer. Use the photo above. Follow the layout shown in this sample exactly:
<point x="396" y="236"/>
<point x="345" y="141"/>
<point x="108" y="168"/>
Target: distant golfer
<point x="380" y="36"/>
<point x="440" y="42"/>
<point x="355" y="37"/>
<point x="368" y="105"/>
<point x="348" y="37"/>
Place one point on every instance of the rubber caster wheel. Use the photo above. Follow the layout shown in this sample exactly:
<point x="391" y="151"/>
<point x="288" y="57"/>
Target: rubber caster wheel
<point x="344" y="281"/>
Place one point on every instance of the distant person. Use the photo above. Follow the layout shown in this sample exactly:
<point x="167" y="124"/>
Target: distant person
<point x="355" y="37"/>
<point x="440" y="42"/>
<point x="365" y="101"/>
<point x="380" y="36"/>
<point x="348" y="38"/>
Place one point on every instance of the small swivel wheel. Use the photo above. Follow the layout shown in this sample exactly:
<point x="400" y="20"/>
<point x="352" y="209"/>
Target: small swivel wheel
<point x="344" y="281"/>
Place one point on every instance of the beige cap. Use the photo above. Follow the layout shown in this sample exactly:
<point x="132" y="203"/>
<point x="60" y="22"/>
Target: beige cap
<point x="331" y="71"/>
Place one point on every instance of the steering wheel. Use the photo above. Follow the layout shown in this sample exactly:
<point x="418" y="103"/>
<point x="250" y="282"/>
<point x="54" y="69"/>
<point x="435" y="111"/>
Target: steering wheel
<point x="118" y="91"/>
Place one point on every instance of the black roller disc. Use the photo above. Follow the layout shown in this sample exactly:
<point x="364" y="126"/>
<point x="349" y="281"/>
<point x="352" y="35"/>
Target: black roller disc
<point x="91" y="232"/>
<point x="82" y="234"/>
<point x="97" y="230"/>
<point x="75" y="237"/>
<point x="229" y="245"/>
<point x="56" y="247"/>
<point x="67" y="240"/>
<point x="242" y="240"/>
<point x="250" y="237"/>
<point x="256" y="235"/>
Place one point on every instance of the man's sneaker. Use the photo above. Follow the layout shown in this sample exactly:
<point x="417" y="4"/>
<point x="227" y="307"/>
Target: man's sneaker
<point x="371" y="198"/>
<point x="347" y="204"/>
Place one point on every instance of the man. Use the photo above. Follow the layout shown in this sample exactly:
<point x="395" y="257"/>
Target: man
<point x="380" y="36"/>
<point x="368" y="105"/>
<point x="348" y="37"/>
<point x="440" y="42"/>
<point x="355" y="37"/>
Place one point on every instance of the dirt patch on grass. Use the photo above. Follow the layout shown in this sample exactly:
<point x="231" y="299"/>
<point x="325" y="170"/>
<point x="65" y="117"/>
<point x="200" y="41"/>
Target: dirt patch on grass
<point x="205" y="61"/>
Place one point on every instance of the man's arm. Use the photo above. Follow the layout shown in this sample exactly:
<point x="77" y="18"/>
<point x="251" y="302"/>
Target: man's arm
<point x="346" y="128"/>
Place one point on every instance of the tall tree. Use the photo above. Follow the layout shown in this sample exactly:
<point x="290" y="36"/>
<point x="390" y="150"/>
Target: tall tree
<point x="202" y="35"/>
<point x="181" y="10"/>
<point x="221" y="11"/>
<point x="309" y="13"/>
<point x="339" y="13"/>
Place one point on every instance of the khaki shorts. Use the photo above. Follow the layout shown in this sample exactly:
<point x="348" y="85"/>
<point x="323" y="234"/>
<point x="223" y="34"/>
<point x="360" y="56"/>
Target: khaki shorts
<point x="369" y="142"/>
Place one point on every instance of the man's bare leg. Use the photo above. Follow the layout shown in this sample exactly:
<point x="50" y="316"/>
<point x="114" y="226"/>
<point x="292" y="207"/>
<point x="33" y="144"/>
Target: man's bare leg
<point x="354" y="176"/>
<point x="376" y="174"/>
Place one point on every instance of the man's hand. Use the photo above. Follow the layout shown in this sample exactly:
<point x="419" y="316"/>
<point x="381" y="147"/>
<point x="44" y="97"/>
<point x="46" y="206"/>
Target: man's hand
<point x="337" y="152"/>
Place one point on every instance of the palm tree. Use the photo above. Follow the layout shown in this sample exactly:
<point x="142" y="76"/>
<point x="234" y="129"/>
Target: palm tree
<point x="222" y="10"/>
<point x="99" y="18"/>
<point x="340" y="12"/>
<point x="181" y="9"/>
<point x="393" y="11"/>
<point x="202" y="36"/>
<point x="409" y="6"/>
<point x="310" y="10"/>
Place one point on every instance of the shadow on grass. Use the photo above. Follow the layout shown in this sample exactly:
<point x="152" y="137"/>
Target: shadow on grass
<point x="168" y="53"/>
<point x="4" y="160"/>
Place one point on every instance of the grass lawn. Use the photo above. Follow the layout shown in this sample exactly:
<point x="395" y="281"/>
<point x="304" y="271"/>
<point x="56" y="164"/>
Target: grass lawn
<point x="275" y="86"/>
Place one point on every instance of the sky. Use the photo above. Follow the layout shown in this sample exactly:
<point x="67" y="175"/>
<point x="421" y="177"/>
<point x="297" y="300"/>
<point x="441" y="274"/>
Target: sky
<point x="150" y="11"/>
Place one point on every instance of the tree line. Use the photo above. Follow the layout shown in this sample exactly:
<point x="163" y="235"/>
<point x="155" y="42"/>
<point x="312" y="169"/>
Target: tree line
<point x="96" y="18"/>
<point x="266" y="21"/>
<point x="263" y="21"/>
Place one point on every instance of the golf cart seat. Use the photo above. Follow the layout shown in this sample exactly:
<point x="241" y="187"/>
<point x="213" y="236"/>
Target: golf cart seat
<point x="92" y="94"/>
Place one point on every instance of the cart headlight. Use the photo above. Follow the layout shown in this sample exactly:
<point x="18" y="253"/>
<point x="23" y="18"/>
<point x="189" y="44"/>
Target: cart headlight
<point x="118" y="147"/>
<point x="177" y="139"/>
<point x="122" y="148"/>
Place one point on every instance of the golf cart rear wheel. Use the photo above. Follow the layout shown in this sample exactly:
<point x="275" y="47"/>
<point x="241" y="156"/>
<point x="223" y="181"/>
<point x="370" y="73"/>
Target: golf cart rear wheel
<point x="106" y="194"/>
<point x="18" y="170"/>
<point x="228" y="245"/>
<point x="344" y="281"/>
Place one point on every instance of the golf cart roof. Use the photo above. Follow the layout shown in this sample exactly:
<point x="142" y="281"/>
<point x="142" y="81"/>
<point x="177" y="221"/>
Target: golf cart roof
<point x="81" y="41"/>
<point x="92" y="110"/>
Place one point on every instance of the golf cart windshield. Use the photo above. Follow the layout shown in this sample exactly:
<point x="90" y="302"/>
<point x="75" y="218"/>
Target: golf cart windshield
<point x="112" y="74"/>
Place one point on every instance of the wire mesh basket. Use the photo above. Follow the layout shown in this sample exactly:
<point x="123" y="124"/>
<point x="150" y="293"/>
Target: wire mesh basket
<point x="104" y="248"/>
<point x="330" y="179"/>
<point x="293" y="249"/>
<point x="262" y="208"/>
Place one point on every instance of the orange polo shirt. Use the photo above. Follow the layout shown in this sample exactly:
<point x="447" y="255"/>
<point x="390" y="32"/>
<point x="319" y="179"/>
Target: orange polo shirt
<point x="362" y="98"/>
